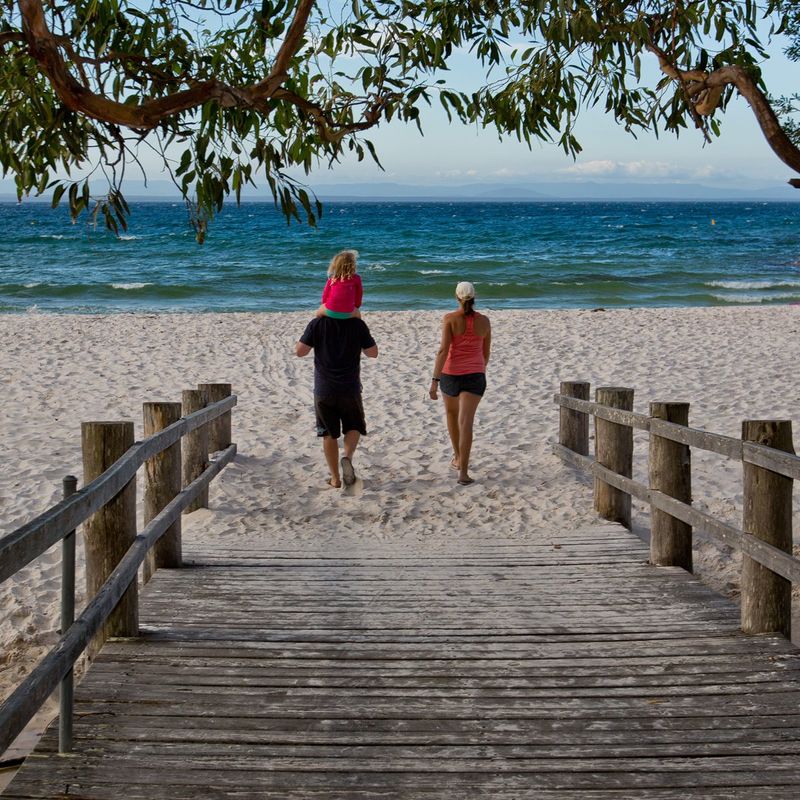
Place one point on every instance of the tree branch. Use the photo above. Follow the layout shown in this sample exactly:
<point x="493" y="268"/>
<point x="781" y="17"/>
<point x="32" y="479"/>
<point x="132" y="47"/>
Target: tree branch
<point x="287" y="51"/>
<point x="705" y="89"/>
<point x="11" y="36"/>
<point x="328" y="129"/>
<point x="44" y="48"/>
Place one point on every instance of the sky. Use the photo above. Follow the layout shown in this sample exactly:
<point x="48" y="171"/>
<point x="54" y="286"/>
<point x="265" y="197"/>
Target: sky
<point x="458" y="154"/>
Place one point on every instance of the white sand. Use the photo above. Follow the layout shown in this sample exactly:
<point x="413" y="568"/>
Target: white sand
<point x="730" y="364"/>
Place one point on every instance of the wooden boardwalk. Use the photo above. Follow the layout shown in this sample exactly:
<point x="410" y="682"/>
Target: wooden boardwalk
<point x="559" y="667"/>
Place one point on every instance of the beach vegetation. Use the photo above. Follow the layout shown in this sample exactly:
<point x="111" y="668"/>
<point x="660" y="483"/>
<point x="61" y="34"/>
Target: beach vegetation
<point x="227" y="94"/>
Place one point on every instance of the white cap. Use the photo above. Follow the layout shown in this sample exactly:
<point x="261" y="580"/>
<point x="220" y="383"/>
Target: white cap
<point x="465" y="290"/>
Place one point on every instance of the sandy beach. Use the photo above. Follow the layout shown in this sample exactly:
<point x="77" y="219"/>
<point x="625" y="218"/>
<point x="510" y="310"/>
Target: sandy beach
<point x="729" y="363"/>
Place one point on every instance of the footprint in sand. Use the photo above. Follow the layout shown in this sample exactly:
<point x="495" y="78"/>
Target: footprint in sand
<point x="355" y="489"/>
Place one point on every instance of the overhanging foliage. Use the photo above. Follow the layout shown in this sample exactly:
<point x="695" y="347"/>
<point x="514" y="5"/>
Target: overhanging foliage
<point x="228" y="92"/>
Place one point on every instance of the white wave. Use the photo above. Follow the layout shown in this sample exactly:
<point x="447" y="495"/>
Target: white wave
<point x="435" y="271"/>
<point x="749" y="299"/>
<point x="32" y="285"/>
<point x="34" y="309"/>
<point x="752" y="284"/>
<point x="127" y="237"/>
<point x="127" y="286"/>
<point x="51" y="236"/>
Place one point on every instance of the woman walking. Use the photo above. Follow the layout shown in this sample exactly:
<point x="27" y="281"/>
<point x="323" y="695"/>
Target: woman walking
<point x="460" y="372"/>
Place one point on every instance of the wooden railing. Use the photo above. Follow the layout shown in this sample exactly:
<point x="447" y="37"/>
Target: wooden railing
<point x="106" y="504"/>
<point x="769" y="465"/>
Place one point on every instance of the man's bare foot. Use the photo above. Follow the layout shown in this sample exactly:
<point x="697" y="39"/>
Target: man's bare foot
<point x="334" y="483"/>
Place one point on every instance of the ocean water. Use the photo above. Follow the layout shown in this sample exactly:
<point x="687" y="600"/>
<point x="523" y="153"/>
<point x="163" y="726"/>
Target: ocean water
<point x="519" y="255"/>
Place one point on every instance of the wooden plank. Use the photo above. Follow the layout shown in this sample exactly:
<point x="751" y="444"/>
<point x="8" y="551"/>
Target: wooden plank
<point x="439" y="792"/>
<point x="620" y="416"/>
<point x="632" y="487"/>
<point x="783" y="463"/>
<point x="564" y="774"/>
<point x="695" y="437"/>
<point x="588" y="729"/>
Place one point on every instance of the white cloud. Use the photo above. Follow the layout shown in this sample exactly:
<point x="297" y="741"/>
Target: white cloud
<point x="627" y="169"/>
<point x="593" y="168"/>
<point x="454" y="173"/>
<point x="648" y="169"/>
<point x="505" y="172"/>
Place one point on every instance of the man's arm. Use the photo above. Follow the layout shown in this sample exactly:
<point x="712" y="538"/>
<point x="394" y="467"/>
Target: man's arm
<point x="368" y="346"/>
<point x="305" y="343"/>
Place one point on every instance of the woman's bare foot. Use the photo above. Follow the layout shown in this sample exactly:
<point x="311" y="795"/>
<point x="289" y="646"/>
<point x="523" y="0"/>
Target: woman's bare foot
<point x="333" y="483"/>
<point x="454" y="463"/>
<point x="464" y="479"/>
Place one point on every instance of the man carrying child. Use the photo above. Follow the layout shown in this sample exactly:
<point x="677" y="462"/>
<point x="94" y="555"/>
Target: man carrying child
<point x="338" y="345"/>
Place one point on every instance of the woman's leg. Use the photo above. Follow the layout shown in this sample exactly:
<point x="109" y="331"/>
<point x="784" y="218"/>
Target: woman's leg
<point x="451" y="409"/>
<point x="467" y="406"/>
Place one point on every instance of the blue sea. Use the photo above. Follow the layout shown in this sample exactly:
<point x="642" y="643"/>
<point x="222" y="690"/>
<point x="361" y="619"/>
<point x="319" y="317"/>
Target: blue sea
<point x="519" y="255"/>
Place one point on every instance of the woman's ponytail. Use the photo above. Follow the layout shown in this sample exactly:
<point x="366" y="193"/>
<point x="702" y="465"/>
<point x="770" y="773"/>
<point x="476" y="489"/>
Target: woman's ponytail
<point x="469" y="306"/>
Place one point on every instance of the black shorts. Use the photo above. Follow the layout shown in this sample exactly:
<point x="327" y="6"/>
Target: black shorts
<point x="339" y="414"/>
<point x="453" y="385"/>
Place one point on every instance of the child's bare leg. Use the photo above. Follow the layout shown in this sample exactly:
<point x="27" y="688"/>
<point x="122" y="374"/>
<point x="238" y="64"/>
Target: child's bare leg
<point x="320" y="312"/>
<point x="356" y="314"/>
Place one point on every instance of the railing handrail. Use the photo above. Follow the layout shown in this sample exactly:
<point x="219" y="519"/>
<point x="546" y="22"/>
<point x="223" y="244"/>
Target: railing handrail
<point x="19" y="708"/>
<point x="781" y="462"/>
<point x="787" y="464"/>
<point x="20" y="547"/>
<point x="785" y="564"/>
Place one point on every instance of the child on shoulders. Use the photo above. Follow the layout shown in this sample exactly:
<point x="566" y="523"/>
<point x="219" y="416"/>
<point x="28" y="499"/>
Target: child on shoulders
<point x="343" y="292"/>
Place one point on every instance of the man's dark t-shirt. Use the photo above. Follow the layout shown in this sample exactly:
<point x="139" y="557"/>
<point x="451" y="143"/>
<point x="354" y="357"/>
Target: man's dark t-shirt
<point x="337" y="347"/>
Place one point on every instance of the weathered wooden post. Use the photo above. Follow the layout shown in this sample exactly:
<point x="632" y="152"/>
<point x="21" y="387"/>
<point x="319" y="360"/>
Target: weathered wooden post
<point x="162" y="482"/>
<point x="219" y="430"/>
<point x="573" y="427"/>
<point x="195" y="447"/>
<point x="670" y="469"/>
<point x="766" y="596"/>
<point x="613" y="448"/>
<point x="109" y="533"/>
<point x="66" y="693"/>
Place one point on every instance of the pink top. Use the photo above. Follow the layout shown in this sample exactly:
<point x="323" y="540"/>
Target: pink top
<point x="466" y="352"/>
<point x="343" y="295"/>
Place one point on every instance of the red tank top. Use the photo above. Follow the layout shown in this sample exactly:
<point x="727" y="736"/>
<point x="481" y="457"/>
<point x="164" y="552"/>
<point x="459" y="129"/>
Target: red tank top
<point x="466" y="352"/>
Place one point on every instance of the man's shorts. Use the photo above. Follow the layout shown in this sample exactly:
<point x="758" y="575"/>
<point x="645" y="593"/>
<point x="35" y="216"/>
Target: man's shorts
<point x="337" y="414"/>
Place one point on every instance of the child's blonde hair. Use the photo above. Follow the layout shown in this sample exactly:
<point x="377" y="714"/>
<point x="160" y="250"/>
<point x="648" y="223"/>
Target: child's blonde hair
<point x="343" y="265"/>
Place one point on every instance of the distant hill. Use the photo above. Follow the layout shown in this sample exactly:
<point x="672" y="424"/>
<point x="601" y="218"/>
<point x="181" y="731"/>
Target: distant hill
<point x="564" y="191"/>
<point x="567" y="190"/>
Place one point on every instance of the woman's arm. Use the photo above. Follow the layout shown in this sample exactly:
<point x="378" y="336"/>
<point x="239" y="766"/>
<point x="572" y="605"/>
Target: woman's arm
<point x="441" y="357"/>
<point x="487" y="342"/>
